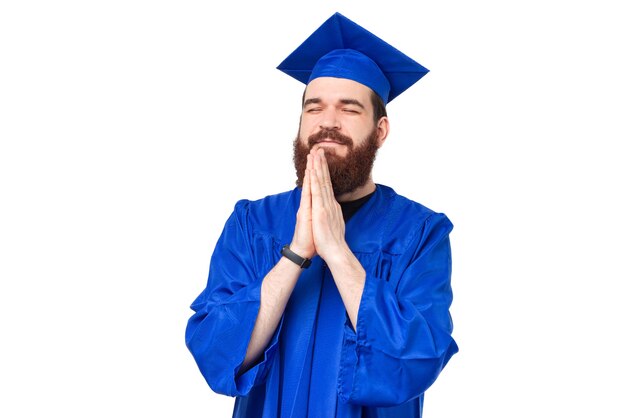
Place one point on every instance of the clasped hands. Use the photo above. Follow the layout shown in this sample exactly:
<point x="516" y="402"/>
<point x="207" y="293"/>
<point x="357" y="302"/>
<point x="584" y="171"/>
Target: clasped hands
<point x="320" y="228"/>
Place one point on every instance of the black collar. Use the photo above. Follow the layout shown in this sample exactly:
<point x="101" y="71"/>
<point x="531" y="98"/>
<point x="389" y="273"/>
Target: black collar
<point x="350" y="208"/>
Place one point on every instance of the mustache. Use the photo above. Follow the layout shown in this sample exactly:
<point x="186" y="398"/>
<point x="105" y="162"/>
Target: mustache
<point x="331" y="134"/>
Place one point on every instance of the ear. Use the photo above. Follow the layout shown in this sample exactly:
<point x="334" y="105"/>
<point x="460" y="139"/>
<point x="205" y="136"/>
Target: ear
<point x="382" y="128"/>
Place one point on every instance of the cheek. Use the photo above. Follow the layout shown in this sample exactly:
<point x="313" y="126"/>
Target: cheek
<point x="307" y="124"/>
<point x="362" y="132"/>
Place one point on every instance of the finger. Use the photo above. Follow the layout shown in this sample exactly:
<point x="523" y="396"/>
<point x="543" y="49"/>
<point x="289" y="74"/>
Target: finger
<point x="325" y="182"/>
<point x="314" y="182"/>
<point x="305" y="199"/>
<point x="316" y="198"/>
<point x="317" y="174"/>
<point x="311" y="159"/>
<point x="321" y="192"/>
<point x="329" y="194"/>
<point x="325" y="171"/>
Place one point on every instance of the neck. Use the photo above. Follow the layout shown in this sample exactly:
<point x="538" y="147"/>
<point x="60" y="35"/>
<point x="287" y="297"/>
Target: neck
<point x="358" y="193"/>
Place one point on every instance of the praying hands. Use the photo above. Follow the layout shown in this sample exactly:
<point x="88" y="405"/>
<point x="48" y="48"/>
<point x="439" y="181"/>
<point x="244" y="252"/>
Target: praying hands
<point x="320" y="229"/>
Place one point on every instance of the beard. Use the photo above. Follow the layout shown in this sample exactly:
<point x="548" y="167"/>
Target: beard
<point x="346" y="173"/>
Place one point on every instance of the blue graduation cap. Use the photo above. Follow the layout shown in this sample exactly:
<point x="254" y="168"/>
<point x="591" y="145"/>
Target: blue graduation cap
<point x="341" y="48"/>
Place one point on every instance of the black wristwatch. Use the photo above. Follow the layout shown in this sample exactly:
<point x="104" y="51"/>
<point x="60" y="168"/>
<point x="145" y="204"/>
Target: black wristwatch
<point x="301" y="261"/>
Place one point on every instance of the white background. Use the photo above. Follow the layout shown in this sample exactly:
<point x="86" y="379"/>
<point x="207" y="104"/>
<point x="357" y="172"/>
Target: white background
<point x="129" y="129"/>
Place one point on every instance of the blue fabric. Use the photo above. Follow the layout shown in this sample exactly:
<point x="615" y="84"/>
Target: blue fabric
<point x="343" y="49"/>
<point x="353" y="65"/>
<point x="316" y="365"/>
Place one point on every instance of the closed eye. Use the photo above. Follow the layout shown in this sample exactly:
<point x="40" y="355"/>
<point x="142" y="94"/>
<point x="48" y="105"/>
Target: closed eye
<point x="352" y="106"/>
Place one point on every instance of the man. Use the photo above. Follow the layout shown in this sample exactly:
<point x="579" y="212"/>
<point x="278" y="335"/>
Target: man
<point x="331" y="300"/>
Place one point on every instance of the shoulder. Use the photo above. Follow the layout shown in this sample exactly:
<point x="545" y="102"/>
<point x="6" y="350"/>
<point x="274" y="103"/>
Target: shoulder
<point x="410" y="219"/>
<point x="270" y="213"/>
<point x="273" y="202"/>
<point x="413" y="211"/>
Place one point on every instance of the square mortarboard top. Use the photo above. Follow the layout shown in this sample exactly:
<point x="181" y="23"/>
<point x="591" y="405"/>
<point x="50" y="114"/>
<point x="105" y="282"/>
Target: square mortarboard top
<point x="341" y="48"/>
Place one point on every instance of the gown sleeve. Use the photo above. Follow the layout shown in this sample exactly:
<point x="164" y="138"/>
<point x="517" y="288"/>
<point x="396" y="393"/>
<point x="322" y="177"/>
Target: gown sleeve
<point x="219" y="331"/>
<point x="403" y="336"/>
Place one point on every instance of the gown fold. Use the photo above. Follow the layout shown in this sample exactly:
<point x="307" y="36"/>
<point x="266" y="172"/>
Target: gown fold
<point x="316" y="364"/>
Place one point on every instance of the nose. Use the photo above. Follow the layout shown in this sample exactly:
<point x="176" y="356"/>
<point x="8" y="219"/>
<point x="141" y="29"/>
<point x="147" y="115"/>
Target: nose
<point x="329" y="120"/>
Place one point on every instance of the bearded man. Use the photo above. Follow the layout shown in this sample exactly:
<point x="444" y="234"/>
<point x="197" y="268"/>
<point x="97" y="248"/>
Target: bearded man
<point x="332" y="299"/>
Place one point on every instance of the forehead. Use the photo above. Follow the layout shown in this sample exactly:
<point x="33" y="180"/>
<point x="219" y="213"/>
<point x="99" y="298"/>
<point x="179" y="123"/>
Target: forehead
<point x="332" y="89"/>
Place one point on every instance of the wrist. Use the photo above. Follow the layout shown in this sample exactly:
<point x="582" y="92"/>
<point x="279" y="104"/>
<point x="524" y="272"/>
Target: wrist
<point x="301" y="250"/>
<point x="340" y="256"/>
<point x="303" y="262"/>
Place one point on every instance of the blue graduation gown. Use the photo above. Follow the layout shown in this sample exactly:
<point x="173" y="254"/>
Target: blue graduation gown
<point x="316" y="365"/>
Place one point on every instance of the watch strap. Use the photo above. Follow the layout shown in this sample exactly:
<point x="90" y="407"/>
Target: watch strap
<point x="301" y="261"/>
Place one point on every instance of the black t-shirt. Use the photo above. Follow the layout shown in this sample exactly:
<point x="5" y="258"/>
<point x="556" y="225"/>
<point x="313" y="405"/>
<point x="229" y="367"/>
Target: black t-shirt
<point x="350" y="208"/>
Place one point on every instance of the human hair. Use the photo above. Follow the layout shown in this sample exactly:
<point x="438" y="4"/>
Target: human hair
<point x="380" y="110"/>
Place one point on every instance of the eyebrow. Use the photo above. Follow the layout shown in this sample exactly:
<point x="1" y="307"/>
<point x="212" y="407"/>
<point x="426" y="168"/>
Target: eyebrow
<point x="353" y="102"/>
<point x="316" y="100"/>
<point x="312" y="101"/>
